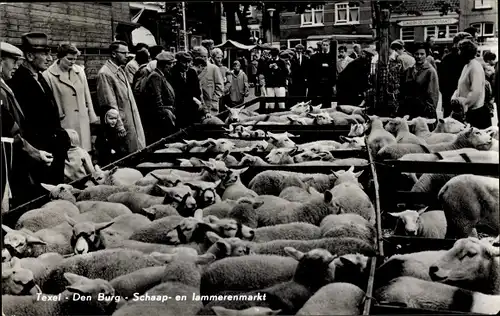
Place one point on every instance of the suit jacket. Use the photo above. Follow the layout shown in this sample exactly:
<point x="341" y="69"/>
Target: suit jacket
<point x="299" y="70"/>
<point x="186" y="110"/>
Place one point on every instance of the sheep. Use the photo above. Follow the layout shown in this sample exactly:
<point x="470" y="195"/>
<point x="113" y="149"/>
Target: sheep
<point x="295" y="231"/>
<point x="311" y="274"/>
<point x="246" y="273"/>
<point x="218" y="145"/>
<point x="273" y="181"/>
<point x="17" y="280"/>
<point x="249" y="160"/>
<point x="213" y="170"/>
<point x="204" y="192"/>
<point x="399" y="128"/>
<point x="49" y="215"/>
<point x="226" y="157"/>
<point x="245" y="211"/>
<point x="116" y="176"/>
<point x="105" y="264"/>
<point x="414" y="265"/>
<point x="416" y="293"/>
<point x="352" y="142"/>
<point x="102" y="191"/>
<point x="281" y="140"/>
<point x="357" y="130"/>
<point x="470" y="264"/>
<point x="350" y="109"/>
<point x="378" y="137"/>
<point x="220" y="209"/>
<point x="238" y="115"/>
<point x="233" y="187"/>
<point x="251" y="311"/>
<point x="422" y="131"/>
<point x="281" y="156"/>
<point x="297" y="194"/>
<point x="449" y="125"/>
<point x="39" y="266"/>
<point x="180" y="196"/>
<point x="350" y="197"/>
<point x="437" y="156"/>
<point x="423" y="223"/>
<point x="335" y="299"/>
<point x="156" y="231"/>
<point x="348" y="225"/>
<point x="469" y="200"/>
<point x="159" y="211"/>
<point x="300" y="120"/>
<point x="102" y="300"/>
<point x="469" y="138"/>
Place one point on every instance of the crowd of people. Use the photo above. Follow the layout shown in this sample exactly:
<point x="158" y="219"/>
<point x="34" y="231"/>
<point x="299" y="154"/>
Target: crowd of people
<point x="47" y="111"/>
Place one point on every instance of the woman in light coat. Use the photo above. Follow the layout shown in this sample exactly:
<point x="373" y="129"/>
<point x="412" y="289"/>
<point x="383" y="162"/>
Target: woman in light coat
<point x="71" y="92"/>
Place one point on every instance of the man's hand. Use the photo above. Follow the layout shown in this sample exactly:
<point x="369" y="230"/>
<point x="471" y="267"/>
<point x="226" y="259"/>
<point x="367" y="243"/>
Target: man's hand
<point x="46" y="157"/>
<point x="198" y="102"/>
<point x="122" y="132"/>
<point x="171" y="117"/>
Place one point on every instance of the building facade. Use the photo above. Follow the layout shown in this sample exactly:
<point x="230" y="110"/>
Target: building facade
<point x="348" y="22"/>
<point x="482" y="15"/>
<point x="417" y="20"/>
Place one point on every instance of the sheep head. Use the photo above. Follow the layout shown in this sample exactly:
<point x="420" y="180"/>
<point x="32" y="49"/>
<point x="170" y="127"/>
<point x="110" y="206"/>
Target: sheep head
<point x="281" y="155"/>
<point x="450" y="125"/>
<point x="216" y="169"/>
<point x="61" y="192"/>
<point x="86" y="235"/>
<point x="281" y="140"/>
<point x="227" y="227"/>
<point x="228" y="247"/>
<point x="475" y="138"/>
<point x="357" y="129"/>
<point x="20" y="243"/>
<point x="410" y="219"/>
<point x="322" y="118"/>
<point x="344" y="176"/>
<point x="17" y="280"/>
<point x="352" y="142"/>
<point x="180" y="197"/>
<point x="94" y="288"/>
<point x="313" y="270"/>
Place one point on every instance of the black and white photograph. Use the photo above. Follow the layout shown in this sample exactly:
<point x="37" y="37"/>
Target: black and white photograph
<point x="250" y="158"/>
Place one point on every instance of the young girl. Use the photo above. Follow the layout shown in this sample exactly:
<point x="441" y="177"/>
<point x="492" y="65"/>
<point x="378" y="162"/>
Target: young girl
<point x="239" y="84"/>
<point x="109" y="145"/>
<point x="80" y="163"/>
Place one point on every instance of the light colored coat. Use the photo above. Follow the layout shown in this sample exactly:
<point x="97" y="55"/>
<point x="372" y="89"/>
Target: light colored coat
<point x="212" y="86"/>
<point x="72" y="96"/>
<point x="471" y="86"/>
<point x="114" y="92"/>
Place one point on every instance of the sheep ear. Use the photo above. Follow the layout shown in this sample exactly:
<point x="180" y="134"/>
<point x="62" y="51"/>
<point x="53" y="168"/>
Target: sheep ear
<point x="343" y="138"/>
<point x="70" y="221"/>
<point x="213" y="237"/>
<point x="294" y="253"/>
<point x="421" y="211"/>
<point x="164" y="257"/>
<point x="328" y="196"/>
<point x="48" y="187"/>
<point x="406" y="117"/>
<point x="358" y="174"/>
<point x="351" y="169"/>
<point x="206" y="258"/>
<point x="212" y="219"/>
<point x="395" y="214"/>
<point x="34" y="240"/>
<point x="97" y="168"/>
<point x="102" y="226"/>
<point x="115" y="168"/>
<point x="240" y="171"/>
<point x="198" y="214"/>
<point x="346" y="261"/>
<point x="257" y="204"/>
<point x="74" y="278"/>
<point x="7" y="229"/>
<point x="225" y="154"/>
<point x="440" y="120"/>
<point x="163" y="188"/>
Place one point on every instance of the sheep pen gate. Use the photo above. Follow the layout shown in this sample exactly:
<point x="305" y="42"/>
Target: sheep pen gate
<point x="396" y="195"/>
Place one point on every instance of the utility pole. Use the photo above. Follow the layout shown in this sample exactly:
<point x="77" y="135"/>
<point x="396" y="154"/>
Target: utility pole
<point x="186" y="46"/>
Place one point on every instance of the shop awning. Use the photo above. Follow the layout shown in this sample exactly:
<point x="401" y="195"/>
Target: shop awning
<point x="230" y="44"/>
<point x="344" y="37"/>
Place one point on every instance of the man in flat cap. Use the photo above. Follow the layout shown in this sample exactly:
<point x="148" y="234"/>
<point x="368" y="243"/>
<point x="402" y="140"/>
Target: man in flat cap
<point x="16" y="179"/>
<point x="449" y="72"/>
<point x="114" y="92"/>
<point x="275" y="75"/>
<point x="42" y="120"/>
<point x="158" y="96"/>
<point x="189" y="108"/>
<point x="209" y="45"/>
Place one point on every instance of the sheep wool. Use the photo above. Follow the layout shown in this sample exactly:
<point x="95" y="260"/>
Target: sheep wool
<point x="335" y="299"/>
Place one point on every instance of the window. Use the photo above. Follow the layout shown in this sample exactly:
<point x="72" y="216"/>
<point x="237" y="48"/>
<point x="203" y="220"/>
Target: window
<point x="313" y="17"/>
<point x="293" y="42"/>
<point x="482" y="4"/>
<point x="407" y="34"/>
<point x="484" y="29"/>
<point x="347" y="13"/>
<point x="441" y="31"/>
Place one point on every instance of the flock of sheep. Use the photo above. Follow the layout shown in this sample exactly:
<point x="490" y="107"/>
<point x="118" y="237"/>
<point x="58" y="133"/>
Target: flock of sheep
<point x="231" y="241"/>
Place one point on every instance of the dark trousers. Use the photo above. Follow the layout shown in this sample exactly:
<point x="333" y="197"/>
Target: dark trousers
<point x="324" y="91"/>
<point x="479" y="118"/>
<point x="446" y="102"/>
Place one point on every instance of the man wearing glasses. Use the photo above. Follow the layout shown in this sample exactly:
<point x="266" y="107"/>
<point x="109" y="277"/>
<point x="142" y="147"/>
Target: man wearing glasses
<point x="115" y="93"/>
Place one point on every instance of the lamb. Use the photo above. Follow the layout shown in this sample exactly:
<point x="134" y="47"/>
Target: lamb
<point x="422" y="131"/>
<point x="226" y="157"/>
<point x="415" y="293"/>
<point x="348" y="225"/>
<point x="233" y="187"/>
<point x="246" y="273"/>
<point x="378" y="137"/>
<point x="352" y="142"/>
<point x="104" y="264"/>
<point x="311" y="274"/>
<point x="423" y="223"/>
<point x="39" y="266"/>
<point x="101" y="192"/>
<point x="414" y="265"/>
<point x="159" y="211"/>
<point x="469" y="200"/>
<point x="335" y="299"/>
<point x="157" y="230"/>
<point x="272" y="182"/>
<point x="298" y="194"/>
<point x="469" y="138"/>
<point x="350" y="197"/>
<point x="116" y="176"/>
<point x="399" y="128"/>
<point x="49" y="215"/>
<point x="281" y="156"/>
<point x="251" y="311"/>
<point x="79" y="286"/>
<point x="470" y="264"/>
<point x="220" y="209"/>
<point x="294" y="231"/>
<point x="357" y="130"/>
<point x="249" y="160"/>
<point x="17" y="280"/>
<point x="180" y="197"/>
<point x="204" y="192"/>
<point x="449" y="125"/>
<point x="281" y="140"/>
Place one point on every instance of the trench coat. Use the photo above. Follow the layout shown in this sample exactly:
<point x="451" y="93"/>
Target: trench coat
<point x="212" y="85"/>
<point x="114" y="92"/>
<point x="73" y="99"/>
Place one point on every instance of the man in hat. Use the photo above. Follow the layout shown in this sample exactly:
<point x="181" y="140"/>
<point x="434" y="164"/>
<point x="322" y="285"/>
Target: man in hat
<point x="42" y="120"/>
<point x="114" y="92"/>
<point x="209" y="45"/>
<point x="132" y="66"/>
<point x="406" y="59"/>
<point x="15" y="173"/>
<point x="189" y="108"/>
<point x="356" y="51"/>
<point x="449" y="72"/>
<point x="159" y="100"/>
<point x="354" y="80"/>
<point x="299" y="72"/>
<point x="275" y="74"/>
<point x="322" y="75"/>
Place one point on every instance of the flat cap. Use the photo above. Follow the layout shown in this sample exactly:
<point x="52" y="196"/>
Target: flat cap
<point x="398" y="42"/>
<point x="35" y="41"/>
<point x="165" y="56"/>
<point x="183" y="57"/>
<point x="11" y="50"/>
<point x="284" y="54"/>
<point x="461" y="36"/>
<point x="299" y="46"/>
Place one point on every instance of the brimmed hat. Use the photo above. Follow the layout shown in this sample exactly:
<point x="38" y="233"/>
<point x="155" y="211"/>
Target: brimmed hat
<point x="284" y="54"/>
<point x="10" y="50"/>
<point x="299" y="46"/>
<point x="165" y="56"/>
<point x="398" y="42"/>
<point x="35" y="41"/>
<point x="461" y="36"/>
<point x="183" y="57"/>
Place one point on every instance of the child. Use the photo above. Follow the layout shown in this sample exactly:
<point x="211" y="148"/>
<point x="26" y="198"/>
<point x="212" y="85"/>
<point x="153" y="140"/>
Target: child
<point x="79" y="163"/>
<point x="239" y="84"/>
<point x="109" y="145"/>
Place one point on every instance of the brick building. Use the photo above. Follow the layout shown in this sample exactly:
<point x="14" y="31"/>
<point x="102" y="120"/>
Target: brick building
<point x="348" y="22"/>
<point x="481" y="14"/>
<point x="91" y="26"/>
<point x="409" y="27"/>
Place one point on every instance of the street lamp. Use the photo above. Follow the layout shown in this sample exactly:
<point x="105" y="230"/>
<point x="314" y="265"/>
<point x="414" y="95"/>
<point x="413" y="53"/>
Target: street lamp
<point x="271" y="13"/>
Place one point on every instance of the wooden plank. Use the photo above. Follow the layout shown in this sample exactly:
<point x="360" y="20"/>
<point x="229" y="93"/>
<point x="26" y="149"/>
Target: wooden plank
<point x="443" y="167"/>
<point x="379" y="309"/>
